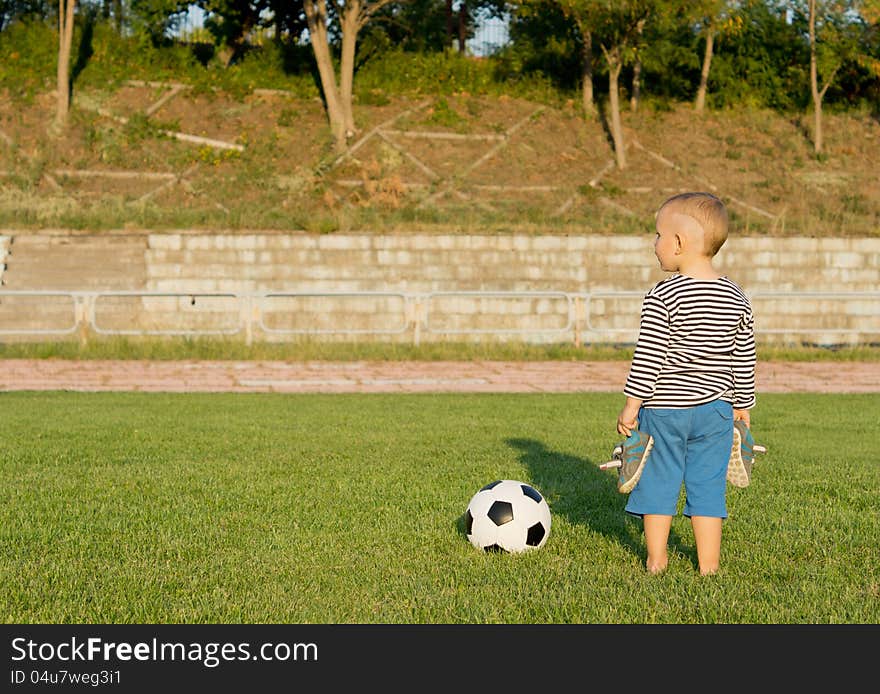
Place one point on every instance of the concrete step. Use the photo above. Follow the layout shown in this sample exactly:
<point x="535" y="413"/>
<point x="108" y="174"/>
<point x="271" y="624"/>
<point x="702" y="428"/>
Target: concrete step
<point x="75" y="262"/>
<point x="4" y="251"/>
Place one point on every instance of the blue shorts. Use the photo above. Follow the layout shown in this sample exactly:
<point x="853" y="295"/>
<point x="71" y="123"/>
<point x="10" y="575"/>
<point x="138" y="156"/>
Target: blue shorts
<point x="691" y="446"/>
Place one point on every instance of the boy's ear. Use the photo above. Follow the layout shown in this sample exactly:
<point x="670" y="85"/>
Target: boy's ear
<point x="679" y="243"/>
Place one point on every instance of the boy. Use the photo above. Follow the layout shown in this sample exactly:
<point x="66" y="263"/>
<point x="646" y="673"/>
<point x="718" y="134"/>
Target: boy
<point x="692" y="375"/>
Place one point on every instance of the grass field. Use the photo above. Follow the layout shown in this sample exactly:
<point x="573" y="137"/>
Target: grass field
<point x="308" y="350"/>
<point x="262" y="508"/>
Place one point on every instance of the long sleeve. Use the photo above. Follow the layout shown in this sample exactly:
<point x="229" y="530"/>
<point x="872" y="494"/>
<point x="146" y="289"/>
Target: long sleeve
<point x="743" y="360"/>
<point x="695" y="344"/>
<point x="651" y="348"/>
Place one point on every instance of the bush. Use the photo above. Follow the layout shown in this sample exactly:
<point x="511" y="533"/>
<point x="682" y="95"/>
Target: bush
<point x="28" y="56"/>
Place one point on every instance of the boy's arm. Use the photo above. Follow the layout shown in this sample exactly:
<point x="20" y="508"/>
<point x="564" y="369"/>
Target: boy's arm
<point x="650" y="352"/>
<point x="627" y="420"/>
<point x="648" y="358"/>
<point x="744" y="358"/>
<point x="742" y="415"/>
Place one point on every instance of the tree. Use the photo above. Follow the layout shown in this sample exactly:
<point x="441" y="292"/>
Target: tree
<point x="351" y="16"/>
<point x="869" y="54"/>
<point x="840" y="27"/>
<point x="66" y="10"/>
<point x="154" y="19"/>
<point x="618" y="25"/>
<point x="816" y="93"/>
<point x="622" y="23"/>
<point x="715" y="17"/>
<point x="582" y="18"/>
<point x="636" y="91"/>
<point x="230" y="21"/>
<point x="546" y="40"/>
<point x="11" y="10"/>
<point x="420" y="26"/>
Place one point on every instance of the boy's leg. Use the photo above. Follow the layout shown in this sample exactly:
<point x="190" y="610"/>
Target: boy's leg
<point x="705" y="480"/>
<point x="655" y="496"/>
<point x="656" y="538"/>
<point x="707" y="535"/>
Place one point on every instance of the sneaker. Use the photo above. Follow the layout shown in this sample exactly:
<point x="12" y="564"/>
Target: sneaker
<point x="630" y="456"/>
<point x="742" y="455"/>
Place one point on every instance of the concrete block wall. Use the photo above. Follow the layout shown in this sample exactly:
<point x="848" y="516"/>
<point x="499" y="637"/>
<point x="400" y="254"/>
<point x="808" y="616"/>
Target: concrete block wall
<point x="406" y="275"/>
<point x="428" y="263"/>
<point x="4" y="251"/>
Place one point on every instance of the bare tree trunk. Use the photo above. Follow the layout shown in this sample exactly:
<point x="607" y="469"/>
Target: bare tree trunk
<point x="704" y="73"/>
<point x="316" y="15"/>
<point x="118" y="15"/>
<point x="450" y="26"/>
<point x="814" y="83"/>
<point x="65" y="43"/>
<point x="462" y="26"/>
<point x="349" y="22"/>
<point x="636" y="87"/>
<point x="587" y="98"/>
<point x="614" y="66"/>
<point x="353" y="16"/>
<point x="637" y="70"/>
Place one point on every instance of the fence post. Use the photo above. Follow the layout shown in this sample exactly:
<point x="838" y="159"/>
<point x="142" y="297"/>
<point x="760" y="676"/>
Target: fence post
<point x="578" y="320"/>
<point x="83" y="309"/>
<point x="416" y="318"/>
<point x="248" y="314"/>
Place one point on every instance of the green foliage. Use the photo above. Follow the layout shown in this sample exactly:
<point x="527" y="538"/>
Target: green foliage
<point x="402" y="72"/>
<point x="116" y="58"/>
<point x="28" y="55"/>
<point x="443" y="115"/>
<point x="270" y="66"/>
<point x="671" y="62"/>
<point x="765" y="64"/>
<point x="229" y="20"/>
<point x="543" y="43"/>
<point x="412" y="74"/>
<point x="287" y="117"/>
<point x="153" y="20"/>
<point x="760" y="59"/>
<point x="762" y="62"/>
<point x="415" y="26"/>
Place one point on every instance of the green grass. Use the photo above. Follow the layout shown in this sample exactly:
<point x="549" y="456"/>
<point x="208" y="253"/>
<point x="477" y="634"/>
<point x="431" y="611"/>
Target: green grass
<point x="175" y="349"/>
<point x="307" y="350"/>
<point x="267" y="508"/>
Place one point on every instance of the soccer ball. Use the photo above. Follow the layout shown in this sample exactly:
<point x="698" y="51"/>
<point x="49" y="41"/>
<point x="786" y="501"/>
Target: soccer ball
<point x="507" y="516"/>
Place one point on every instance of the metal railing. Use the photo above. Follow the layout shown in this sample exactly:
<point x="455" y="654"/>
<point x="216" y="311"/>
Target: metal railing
<point x="529" y="315"/>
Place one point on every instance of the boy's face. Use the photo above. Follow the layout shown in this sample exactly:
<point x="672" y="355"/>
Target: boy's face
<point x="680" y="238"/>
<point x="666" y="242"/>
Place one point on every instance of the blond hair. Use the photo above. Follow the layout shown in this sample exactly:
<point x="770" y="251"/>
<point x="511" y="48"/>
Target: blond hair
<point x="709" y="212"/>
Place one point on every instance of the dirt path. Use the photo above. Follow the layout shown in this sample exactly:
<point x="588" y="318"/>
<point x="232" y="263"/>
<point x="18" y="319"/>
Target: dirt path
<point x="394" y="376"/>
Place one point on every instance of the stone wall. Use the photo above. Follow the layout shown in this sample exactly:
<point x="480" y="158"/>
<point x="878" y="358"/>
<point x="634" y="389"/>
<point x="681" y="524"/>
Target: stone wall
<point x="775" y="271"/>
<point x="421" y="287"/>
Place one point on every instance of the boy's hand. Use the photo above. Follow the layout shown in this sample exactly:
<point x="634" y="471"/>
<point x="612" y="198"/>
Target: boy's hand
<point x="742" y="415"/>
<point x="627" y="420"/>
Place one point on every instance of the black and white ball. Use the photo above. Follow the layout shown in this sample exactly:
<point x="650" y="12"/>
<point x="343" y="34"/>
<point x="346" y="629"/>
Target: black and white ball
<point x="507" y="516"/>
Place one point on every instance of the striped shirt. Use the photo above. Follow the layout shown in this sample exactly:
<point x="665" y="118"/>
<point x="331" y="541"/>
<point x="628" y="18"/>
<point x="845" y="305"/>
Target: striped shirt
<point x="696" y="344"/>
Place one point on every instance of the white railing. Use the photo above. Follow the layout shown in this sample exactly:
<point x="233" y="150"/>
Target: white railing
<point x="578" y="317"/>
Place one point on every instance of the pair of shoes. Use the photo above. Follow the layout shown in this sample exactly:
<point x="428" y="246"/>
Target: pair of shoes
<point x="630" y="457"/>
<point x="742" y="455"/>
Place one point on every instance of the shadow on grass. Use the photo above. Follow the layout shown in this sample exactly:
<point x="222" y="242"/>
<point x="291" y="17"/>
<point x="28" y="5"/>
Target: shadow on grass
<point x="585" y="495"/>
